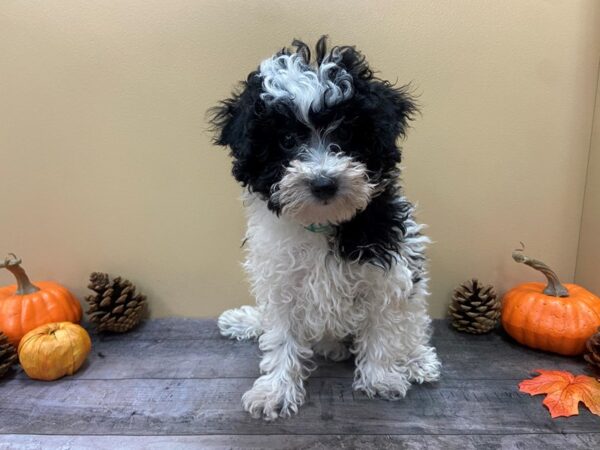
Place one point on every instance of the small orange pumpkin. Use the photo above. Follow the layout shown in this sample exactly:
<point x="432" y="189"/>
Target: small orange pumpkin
<point x="54" y="350"/>
<point x="26" y="306"/>
<point x="557" y="318"/>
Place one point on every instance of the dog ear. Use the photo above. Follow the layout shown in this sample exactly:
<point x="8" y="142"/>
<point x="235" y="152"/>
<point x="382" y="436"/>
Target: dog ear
<point x="391" y="109"/>
<point x="231" y="117"/>
<point x="396" y="108"/>
<point x="232" y="122"/>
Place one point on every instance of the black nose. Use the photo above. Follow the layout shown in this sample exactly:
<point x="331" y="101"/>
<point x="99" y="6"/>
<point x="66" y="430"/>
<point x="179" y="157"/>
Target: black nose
<point x="323" y="187"/>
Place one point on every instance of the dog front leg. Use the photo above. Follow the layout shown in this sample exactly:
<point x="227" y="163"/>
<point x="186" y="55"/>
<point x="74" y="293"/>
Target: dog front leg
<point x="378" y="371"/>
<point x="279" y="391"/>
<point x="392" y="349"/>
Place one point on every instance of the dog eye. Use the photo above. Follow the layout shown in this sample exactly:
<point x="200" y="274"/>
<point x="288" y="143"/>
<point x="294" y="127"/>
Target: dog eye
<point x="288" y="141"/>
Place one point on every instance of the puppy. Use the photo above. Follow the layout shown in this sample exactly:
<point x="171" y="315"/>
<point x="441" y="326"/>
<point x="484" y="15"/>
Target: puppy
<point x="334" y="254"/>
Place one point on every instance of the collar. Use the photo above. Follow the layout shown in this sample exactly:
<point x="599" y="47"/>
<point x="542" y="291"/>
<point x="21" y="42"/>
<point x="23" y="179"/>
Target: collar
<point x="324" y="228"/>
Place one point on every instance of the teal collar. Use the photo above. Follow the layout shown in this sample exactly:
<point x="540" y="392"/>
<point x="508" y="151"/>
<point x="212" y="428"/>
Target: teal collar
<point x="324" y="228"/>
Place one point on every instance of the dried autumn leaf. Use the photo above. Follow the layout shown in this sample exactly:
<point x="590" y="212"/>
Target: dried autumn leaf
<point x="565" y="391"/>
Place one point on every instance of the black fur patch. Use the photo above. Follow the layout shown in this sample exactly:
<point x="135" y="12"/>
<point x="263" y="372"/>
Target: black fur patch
<point x="376" y="234"/>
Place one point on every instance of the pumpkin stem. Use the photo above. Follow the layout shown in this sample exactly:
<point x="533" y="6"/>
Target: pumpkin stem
<point x="554" y="287"/>
<point x="13" y="265"/>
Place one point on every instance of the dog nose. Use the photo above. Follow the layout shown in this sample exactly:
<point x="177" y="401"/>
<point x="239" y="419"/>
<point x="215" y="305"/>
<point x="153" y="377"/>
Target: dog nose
<point x="323" y="187"/>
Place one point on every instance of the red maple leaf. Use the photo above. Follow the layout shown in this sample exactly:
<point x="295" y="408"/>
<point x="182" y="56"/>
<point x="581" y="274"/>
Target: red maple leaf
<point x="565" y="391"/>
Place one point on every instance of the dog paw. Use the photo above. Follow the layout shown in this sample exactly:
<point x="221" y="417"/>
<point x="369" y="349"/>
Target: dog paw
<point x="424" y="368"/>
<point x="240" y="323"/>
<point x="332" y="350"/>
<point x="391" y="385"/>
<point x="270" y="401"/>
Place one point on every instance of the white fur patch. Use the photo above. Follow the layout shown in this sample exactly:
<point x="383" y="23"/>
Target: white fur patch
<point x="289" y="78"/>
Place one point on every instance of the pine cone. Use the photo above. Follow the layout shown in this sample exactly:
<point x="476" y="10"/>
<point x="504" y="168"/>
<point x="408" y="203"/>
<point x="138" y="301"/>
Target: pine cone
<point x="474" y="308"/>
<point x="592" y="354"/>
<point x="115" y="307"/>
<point x="8" y="355"/>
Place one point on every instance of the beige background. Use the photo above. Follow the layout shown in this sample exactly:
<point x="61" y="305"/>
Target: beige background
<point x="106" y="163"/>
<point x="588" y="258"/>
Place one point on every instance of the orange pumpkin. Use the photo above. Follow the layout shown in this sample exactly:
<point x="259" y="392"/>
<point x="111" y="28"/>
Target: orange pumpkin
<point x="54" y="350"/>
<point x="554" y="317"/>
<point x="26" y="306"/>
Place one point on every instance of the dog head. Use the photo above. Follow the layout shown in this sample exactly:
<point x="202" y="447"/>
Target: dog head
<point x="316" y="139"/>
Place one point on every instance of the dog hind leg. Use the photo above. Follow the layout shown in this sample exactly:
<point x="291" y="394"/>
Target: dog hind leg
<point x="241" y="323"/>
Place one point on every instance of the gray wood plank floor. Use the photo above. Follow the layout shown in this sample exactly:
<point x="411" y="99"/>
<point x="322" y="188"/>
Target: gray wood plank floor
<point x="175" y="383"/>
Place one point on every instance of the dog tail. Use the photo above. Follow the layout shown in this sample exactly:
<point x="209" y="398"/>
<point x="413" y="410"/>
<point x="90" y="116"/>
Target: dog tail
<point x="241" y="323"/>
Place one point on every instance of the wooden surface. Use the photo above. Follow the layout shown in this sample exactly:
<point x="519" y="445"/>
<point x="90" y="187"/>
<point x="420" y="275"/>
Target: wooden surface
<point x="175" y="383"/>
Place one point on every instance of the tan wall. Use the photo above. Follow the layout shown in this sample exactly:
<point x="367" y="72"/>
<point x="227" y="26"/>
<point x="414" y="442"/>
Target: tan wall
<point x="106" y="163"/>
<point x="588" y="257"/>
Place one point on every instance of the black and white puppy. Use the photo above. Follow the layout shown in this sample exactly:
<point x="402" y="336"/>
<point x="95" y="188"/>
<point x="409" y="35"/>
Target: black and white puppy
<point x="334" y="254"/>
